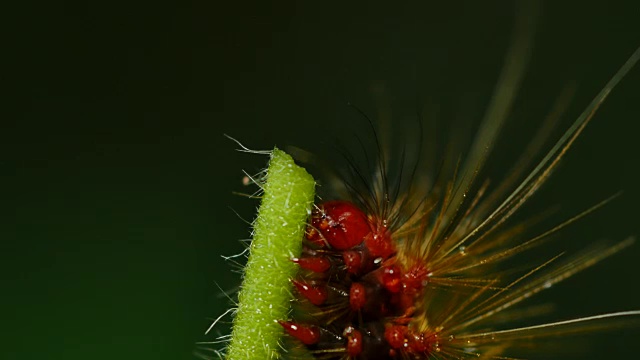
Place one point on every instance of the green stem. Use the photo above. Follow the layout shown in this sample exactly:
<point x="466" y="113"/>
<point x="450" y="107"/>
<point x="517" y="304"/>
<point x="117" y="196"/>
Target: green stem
<point x="266" y="290"/>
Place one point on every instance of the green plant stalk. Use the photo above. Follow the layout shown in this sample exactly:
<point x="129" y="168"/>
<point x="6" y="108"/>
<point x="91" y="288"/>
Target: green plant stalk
<point x="266" y="288"/>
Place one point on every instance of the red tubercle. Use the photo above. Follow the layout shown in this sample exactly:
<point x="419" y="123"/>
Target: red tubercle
<point x="391" y="278"/>
<point x="415" y="278"/>
<point x="317" y="295"/>
<point x="421" y="343"/>
<point x="309" y="335"/>
<point x="317" y="264"/>
<point x="357" y="296"/>
<point x="380" y="244"/>
<point x="353" y="261"/>
<point x="354" y="341"/>
<point x="395" y="336"/>
<point x="339" y="224"/>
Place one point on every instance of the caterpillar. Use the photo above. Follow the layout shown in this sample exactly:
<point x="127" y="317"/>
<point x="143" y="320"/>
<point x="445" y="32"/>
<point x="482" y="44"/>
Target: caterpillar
<point x="411" y="275"/>
<point x="400" y="262"/>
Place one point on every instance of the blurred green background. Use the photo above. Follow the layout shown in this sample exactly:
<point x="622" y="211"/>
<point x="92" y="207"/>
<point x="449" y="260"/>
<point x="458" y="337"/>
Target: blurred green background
<point x="117" y="181"/>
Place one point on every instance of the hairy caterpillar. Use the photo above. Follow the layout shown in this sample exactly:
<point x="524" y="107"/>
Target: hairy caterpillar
<point x="400" y="274"/>
<point x="481" y="289"/>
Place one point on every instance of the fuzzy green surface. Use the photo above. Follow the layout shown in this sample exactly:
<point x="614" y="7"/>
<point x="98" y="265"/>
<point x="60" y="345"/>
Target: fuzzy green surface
<point x="266" y="290"/>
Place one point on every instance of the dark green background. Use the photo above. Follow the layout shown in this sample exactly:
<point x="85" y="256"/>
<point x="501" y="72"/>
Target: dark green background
<point x="117" y="181"/>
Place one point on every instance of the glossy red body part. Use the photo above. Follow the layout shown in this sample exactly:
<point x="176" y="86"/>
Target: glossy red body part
<point x="357" y="296"/>
<point x="353" y="261"/>
<point x="379" y="244"/>
<point x="392" y="278"/>
<point x="415" y="278"/>
<point x="354" y="341"/>
<point x="340" y="224"/>
<point x="317" y="295"/>
<point x="421" y="343"/>
<point x="395" y="336"/>
<point x="309" y="335"/>
<point x="317" y="264"/>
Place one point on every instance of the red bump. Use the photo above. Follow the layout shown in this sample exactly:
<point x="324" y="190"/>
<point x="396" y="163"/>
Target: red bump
<point x="352" y="260"/>
<point x="354" y="341"/>
<point x="415" y="279"/>
<point x="421" y="343"/>
<point x="309" y="335"/>
<point x="342" y="224"/>
<point x="317" y="295"/>
<point x="357" y="296"/>
<point x="417" y="344"/>
<point x="391" y="279"/>
<point x="394" y="335"/>
<point x="379" y="244"/>
<point x="316" y="264"/>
